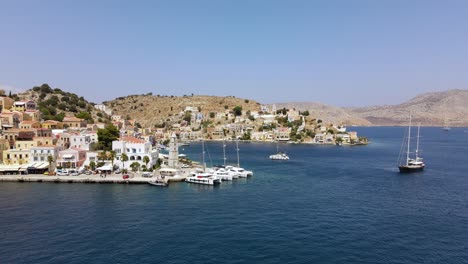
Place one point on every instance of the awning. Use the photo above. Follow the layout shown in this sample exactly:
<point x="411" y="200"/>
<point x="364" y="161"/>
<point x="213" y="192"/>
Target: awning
<point x="67" y="156"/>
<point x="105" y="168"/>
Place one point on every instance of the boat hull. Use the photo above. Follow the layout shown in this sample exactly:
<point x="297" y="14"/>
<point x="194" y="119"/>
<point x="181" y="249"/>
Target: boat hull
<point x="409" y="169"/>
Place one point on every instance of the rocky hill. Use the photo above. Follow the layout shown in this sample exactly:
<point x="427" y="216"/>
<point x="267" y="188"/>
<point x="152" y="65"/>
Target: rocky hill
<point x="327" y="113"/>
<point x="55" y="104"/>
<point x="151" y="110"/>
<point x="430" y="109"/>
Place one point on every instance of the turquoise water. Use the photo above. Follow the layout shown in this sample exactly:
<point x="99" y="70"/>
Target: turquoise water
<point x="326" y="205"/>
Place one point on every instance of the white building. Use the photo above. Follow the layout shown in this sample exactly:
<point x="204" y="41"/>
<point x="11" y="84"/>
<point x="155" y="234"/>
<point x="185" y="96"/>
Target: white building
<point x="80" y="141"/>
<point x="41" y="154"/>
<point x="103" y="108"/>
<point x="135" y="149"/>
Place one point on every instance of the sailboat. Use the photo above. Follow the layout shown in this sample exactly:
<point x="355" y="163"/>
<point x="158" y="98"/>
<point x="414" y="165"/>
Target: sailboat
<point x="279" y="155"/>
<point x="240" y="172"/>
<point x="201" y="176"/>
<point x="446" y="127"/>
<point x="412" y="164"/>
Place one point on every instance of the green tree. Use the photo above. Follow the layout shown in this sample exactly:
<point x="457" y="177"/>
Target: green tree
<point x="135" y="166"/>
<point x="92" y="165"/>
<point x="146" y="160"/>
<point x="124" y="158"/>
<point x="212" y="114"/>
<point x="107" y="135"/>
<point x="237" y="110"/>
<point x="85" y="115"/>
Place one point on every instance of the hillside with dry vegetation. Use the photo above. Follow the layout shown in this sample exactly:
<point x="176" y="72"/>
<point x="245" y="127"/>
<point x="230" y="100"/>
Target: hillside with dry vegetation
<point x="430" y="109"/>
<point x="55" y="104"/>
<point x="150" y="110"/>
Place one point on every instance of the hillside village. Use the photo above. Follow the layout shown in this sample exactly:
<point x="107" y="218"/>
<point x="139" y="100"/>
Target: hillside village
<point x="38" y="137"/>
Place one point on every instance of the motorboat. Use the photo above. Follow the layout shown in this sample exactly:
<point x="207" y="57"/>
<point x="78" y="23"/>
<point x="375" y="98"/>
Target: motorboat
<point x="279" y="156"/>
<point x="203" y="178"/>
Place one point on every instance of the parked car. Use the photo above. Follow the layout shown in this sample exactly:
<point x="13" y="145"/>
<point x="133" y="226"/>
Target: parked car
<point x="125" y="177"/>
<point x="117" y="171"/>
<point x="62" y="173"/>
<point x="147" y="174"/>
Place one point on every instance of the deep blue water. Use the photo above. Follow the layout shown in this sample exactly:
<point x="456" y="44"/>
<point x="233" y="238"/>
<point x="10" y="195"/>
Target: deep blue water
<point x="326" y="205"/>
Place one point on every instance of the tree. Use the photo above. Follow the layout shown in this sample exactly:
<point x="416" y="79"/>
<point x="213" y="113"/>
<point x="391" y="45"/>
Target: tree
<point x="237" y="110"/>
<point x="107" y="135"/>
<point x="124" y="158"/>
<point x="212" y="114"/>
<point x="50" y="159"/>
<point x="246" y="136"/>
<point x="92" y="164"/>
<point x="85" y="115"/>
<point x="146" y="160"/>
<point x="102" y="155"/>
<point x="135" y="166"/>
<point x="111" y="156"/>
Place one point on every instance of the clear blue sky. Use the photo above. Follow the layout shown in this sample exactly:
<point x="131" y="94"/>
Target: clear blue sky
<point x="345" y="53"/>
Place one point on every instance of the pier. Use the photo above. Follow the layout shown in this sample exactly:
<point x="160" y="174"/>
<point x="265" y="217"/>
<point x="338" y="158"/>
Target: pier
<point x="135" y="178"/>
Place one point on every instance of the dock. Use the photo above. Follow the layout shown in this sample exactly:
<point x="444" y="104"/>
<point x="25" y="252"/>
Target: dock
<point x="94" y="178"/>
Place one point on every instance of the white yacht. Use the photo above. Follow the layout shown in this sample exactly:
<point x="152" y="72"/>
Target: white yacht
<point x="239" y="172"/>
<point x="223" y="174"/>
<point x="279" y="156"/>
<point x="203" y="178"/>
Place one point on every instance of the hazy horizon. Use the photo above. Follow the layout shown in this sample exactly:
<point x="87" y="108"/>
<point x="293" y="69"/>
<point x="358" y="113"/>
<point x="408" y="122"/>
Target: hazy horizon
<point x="342" y="53"/>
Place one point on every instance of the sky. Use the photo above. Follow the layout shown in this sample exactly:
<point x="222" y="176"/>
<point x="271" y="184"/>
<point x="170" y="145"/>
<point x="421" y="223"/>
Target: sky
<point x="344" y="53"/>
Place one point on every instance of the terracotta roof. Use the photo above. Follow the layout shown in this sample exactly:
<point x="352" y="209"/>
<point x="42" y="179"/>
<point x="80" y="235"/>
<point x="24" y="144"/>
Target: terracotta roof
<point x="72" y="119"/>
<point x="29" y="122"/>
<point x="132" y="140"/>
<point x="52" y="121"/>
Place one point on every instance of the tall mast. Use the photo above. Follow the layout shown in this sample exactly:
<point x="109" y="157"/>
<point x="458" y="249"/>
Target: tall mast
<point x="237" y="148"/>
<point x="417" y="142"/>
<point x="224" y="151"/>
<point x="203" y="154"/>
<point x="409" y="138"/>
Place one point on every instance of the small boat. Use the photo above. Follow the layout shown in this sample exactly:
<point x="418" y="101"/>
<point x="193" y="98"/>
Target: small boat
<point x="159" y="182"/>
<point x="412" y="164"/>
<point x="279" y="155"/>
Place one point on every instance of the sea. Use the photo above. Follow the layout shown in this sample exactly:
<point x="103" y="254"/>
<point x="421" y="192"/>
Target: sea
<point x="327" y="204"/>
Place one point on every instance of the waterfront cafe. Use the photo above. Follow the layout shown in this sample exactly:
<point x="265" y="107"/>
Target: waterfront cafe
<point x="33" y="168"/>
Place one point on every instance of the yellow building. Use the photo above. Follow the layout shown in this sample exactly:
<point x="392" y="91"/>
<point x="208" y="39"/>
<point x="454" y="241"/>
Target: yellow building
<point x="52" y="124"/>
<point x="73" y="122"/>
<point x="16" y="156"/>
<point x="4" y="145"/>
<point x="25" y="144"/>
<point x="22" y="106"/>
<point x="29" y="124"/>
<point x="32" y="115"/>
<point x="45" y="141"/>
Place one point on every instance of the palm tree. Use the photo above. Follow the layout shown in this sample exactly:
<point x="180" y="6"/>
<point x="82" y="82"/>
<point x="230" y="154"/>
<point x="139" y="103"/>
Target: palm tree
<point x="124" y="158"/>
<point x="50" y="159"/>
<point x="146" y="159"/>
<point x="111" y="156"/>
<point x="102" y="156"/>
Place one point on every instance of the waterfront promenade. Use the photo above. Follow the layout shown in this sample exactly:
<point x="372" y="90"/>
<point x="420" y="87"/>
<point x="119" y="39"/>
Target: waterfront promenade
<point x="94" y="178"/>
